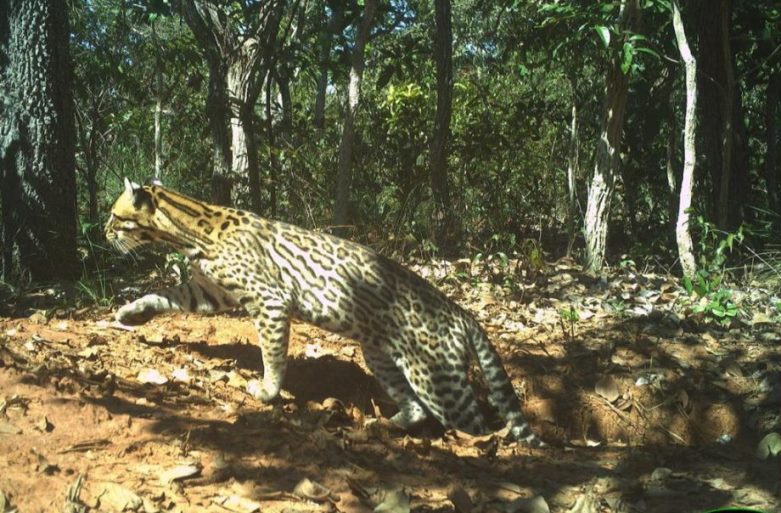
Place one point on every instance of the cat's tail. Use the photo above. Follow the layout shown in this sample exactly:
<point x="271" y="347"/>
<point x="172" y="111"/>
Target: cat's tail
<point x="501" y="393"/>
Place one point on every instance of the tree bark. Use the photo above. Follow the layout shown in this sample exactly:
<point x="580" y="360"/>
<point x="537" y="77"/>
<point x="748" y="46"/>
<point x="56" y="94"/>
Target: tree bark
<point x="722" y="132"/>
<point x="158" y="133"/>
<point x="236" y="60"/>
<point x="344" y="166"/>
<point x="672" y="176"/>
<point x="573" y="170"/>
<point x="158" y="107"/>
<point x="324" y="51"/>
<point x="37" y="143"/>
<point x="446" y="229"/>
<point x="602" y="185"/>
<point x="710" y="86"/>
<point x="217" y="112"/>
<point x="682" y="233"/>
<point x="728" y="115"/>
<point x="771" y="140"/>
<point x="272" y="150"/>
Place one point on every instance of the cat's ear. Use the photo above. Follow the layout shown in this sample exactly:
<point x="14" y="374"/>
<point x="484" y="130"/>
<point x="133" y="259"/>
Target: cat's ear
<point x="130" y="186"/>
<point x="153" y="181"/>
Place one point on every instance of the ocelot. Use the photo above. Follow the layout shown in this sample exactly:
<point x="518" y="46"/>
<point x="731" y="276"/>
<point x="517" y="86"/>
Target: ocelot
<point x="416" y="341"/>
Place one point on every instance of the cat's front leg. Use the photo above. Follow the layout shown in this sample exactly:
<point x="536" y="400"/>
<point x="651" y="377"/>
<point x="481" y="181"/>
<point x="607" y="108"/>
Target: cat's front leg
<point x="197" y="295"/>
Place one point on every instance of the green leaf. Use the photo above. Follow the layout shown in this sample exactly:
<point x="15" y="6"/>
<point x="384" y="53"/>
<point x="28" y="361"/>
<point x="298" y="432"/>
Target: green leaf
<point x="604" y="34"/>
<point x="687" y="285"/>
<point x="649" y="51"/>
<point x="627" y="57"/>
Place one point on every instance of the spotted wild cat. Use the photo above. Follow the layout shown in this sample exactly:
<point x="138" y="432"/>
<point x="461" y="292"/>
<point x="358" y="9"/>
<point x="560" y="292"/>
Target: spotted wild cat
<point x="416" y="341"/>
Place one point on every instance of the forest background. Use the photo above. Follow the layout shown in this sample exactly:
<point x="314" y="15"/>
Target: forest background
<point x="529" y="129"/>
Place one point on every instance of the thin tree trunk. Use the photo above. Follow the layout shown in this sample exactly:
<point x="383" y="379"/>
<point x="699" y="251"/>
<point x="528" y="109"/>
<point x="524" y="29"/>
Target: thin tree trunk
<point x="447" y="232"/>
<point x="344" y="166"/>
<point x="602" y="186"/>
<point x="728" y="131"/>
<point x="573" y="170"/>
<point x="87" y="131"/>
<point x="272" y="151"/>
<point x="158" y="136"/>
<point x="771" y="140"/>
<point x="682" y="233"/>
<point x="672" y="176"/>
<point x="37" y="143"/>
<point x="158" y="106"/>
<point x="324" y="51"/>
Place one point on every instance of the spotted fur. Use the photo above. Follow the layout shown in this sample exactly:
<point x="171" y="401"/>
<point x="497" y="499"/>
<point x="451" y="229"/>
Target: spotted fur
<point x="415" y="340"/>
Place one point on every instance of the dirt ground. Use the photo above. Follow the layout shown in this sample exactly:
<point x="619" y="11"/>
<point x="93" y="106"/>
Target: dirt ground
<point x="644" y="408"/>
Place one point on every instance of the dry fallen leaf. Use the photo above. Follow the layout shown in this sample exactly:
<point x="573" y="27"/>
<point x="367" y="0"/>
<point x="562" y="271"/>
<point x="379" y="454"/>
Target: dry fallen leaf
<point x="44" y="425"/>
<point x="180" y="472"/>
<point x="115" y="497"/>
<point x="5" y="503"/>
<point x="181" y="375"/>
<point x="6" y="428"/>
<point x="313" y="491"/>
<point x="533" y="505"/>
<point x="89" y="353"/>
<point x="733" y="369"/>
<point x="683" y="398"/>
<point x="237" y="504"/>
<point x="151" y="376"/>
<point x="394" y="501"/>
<point x="607" y="388"/>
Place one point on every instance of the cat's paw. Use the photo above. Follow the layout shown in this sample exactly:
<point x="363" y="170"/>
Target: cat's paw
<point x="134" y="313"/>
<point x="262" y="393"/>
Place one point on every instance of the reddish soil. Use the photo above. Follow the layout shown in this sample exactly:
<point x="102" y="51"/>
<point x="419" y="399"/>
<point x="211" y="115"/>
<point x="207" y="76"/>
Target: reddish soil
<point x="678" y="432"/>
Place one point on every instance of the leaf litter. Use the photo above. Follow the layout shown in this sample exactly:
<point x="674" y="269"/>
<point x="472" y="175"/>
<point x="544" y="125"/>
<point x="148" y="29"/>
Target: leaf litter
<point x="618" y="374"/>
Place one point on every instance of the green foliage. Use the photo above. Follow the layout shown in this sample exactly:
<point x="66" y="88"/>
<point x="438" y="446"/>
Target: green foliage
<point x="518" y="69"/>
<point x="713" y="299"/>
<point x="94" y="283"/>
<point x="569" y="317"/>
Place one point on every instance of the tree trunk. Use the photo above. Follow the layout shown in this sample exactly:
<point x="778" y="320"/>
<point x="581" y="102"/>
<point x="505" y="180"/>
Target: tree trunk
<point x="158" y="135"/>
<point x="236" y="59"/>
<point x="37" y="144"/>
<point x="682" y="233"/>
<point x="673" y="199"/>
<point x="344" y="166"/>
<point x="447" y="232"/>
<point x="218" y="113"/>
<point x="158" y="106"/>
<point x="721" y="135"/>
<point x="244" y="87"/>
<point x="272" y="150"/>
<point x="771" y="140"/>
<point x="728" y="115"/>
<point x="324" y="51"/>
<point x="600" y="191"/>
<point x="710" y="86"/>
<point x="573" y="170"/>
